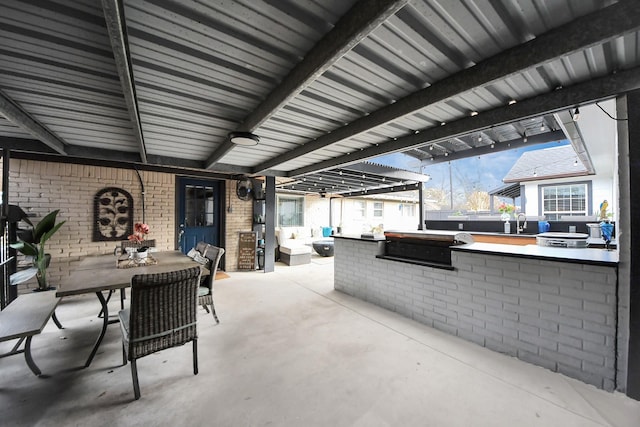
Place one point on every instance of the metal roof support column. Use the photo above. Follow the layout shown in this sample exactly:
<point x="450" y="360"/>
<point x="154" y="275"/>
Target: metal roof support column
<point x="627" y="230"/>
<point x="421" y="206"/>
<point x="270" y="224"/>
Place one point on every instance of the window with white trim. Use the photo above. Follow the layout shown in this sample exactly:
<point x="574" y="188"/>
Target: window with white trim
<point x="407" y="210"/>
<point x="378" y="209"/>
<point x="565" y="199"/>
<point x="290" y="211"/>
<point x="359" y="209"/>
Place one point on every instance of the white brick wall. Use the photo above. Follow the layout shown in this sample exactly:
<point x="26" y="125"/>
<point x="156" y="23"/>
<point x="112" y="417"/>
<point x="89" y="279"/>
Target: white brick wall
<point x="557" y="315"/>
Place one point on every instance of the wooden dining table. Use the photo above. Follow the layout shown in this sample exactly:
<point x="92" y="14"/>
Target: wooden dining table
<point x="97" y="274"/>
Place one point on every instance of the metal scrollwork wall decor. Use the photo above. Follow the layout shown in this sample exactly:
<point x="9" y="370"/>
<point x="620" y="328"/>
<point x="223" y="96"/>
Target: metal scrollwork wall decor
<point x="113" y="215"/>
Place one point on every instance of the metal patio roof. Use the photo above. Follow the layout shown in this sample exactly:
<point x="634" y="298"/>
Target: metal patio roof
<point x="325" y="84"/>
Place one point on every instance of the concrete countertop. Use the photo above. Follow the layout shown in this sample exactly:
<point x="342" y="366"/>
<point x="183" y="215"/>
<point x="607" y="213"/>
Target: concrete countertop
<point x="581" y="256"/>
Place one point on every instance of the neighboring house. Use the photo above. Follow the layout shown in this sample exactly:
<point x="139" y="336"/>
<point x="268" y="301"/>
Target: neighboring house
<point x="306" y="215"/>
<point x="554" y="183"/>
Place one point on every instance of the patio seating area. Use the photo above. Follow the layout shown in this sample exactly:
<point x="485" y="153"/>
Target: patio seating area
<point x="291" y="351"/>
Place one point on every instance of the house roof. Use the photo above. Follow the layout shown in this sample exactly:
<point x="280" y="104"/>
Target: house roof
<point x="555" y="162"/>
<point x="325" y="85"/>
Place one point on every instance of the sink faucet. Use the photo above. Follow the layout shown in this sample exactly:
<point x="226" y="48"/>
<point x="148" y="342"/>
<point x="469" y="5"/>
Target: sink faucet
<point x="520" y="229"/>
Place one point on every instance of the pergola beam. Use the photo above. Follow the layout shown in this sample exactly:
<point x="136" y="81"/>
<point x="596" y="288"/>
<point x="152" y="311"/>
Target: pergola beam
<point x="114" y="17"/>
<point x="606" y="24"/>
<point x="364" y="17"/>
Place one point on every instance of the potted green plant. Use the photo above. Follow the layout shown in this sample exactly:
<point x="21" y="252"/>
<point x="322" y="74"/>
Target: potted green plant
<point x="32" y="243"/>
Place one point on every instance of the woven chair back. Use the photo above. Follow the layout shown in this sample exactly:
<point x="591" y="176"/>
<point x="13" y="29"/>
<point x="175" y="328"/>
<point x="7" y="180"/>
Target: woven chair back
<point x="163" y="311"/>
<point x="214" y="254"/>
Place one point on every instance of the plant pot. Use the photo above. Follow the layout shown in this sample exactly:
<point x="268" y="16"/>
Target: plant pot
<point x="41" y="275"/>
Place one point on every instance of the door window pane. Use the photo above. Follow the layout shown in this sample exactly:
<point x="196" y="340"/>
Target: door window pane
<point x="199" y="206"/>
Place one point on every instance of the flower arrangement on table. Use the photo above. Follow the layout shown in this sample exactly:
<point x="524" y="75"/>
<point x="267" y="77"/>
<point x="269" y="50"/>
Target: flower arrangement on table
<point x="137" y="249"/>
<point x="140" y="230"/>
<point x="506" y="210"/>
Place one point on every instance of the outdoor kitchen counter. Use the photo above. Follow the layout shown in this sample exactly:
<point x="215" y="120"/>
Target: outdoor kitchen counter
<point x="553" y="307"/>
<point x="580" y="256"/>
<point x="594" y="256"/>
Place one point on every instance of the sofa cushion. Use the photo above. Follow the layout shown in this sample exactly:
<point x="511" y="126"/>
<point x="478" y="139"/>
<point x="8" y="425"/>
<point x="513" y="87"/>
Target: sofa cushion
<point x="295" y="249"/>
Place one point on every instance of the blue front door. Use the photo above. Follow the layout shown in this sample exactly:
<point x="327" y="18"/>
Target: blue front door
<point x="199" y="212"/>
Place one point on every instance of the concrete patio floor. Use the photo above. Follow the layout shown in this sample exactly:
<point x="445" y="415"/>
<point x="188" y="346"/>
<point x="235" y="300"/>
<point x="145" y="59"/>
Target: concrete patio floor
<point x="291" y="351"/>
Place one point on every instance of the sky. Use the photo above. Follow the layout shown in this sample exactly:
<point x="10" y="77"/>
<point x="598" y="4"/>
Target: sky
<point x="483" y="173"/>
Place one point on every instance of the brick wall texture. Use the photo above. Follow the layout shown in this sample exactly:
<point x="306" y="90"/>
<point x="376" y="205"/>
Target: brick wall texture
<point x="561" y="316"/>
<point x="40" y="187"/>
<point x="239" y="219"/>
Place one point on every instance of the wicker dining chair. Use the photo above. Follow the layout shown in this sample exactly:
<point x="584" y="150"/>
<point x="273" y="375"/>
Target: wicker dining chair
<point x="205" y="292"/>
<point x="162" y="314"/>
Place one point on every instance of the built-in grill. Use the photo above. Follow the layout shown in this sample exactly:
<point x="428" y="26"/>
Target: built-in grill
<point x="427" y="247"/>
<point x="562" y="240"/>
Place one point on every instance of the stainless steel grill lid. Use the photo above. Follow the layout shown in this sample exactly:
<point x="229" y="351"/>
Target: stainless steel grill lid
<point x="570" y="236"/>
<point x="562" y="240"/>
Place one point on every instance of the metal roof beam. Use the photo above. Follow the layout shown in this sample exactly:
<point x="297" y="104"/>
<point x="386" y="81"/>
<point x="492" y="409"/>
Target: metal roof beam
<point x="364" y="17"/>
<point x="541" y="138"/>
<point x="568" y="125"/>
<point x="606" y="24"/>
<point x="37" y="150"/>
<point x="395" y="189"/>
<point x="19" y="117"/>
<point x="114" y="17"/>
<point x="592" y="90"/>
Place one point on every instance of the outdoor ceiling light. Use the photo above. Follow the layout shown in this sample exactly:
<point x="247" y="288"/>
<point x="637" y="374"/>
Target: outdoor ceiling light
<point x="576" y="115"/>
<point x="246" y="139"/>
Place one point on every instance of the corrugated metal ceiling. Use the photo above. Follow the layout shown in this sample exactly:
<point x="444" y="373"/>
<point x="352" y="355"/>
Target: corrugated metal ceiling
<point x="325" y="84"/>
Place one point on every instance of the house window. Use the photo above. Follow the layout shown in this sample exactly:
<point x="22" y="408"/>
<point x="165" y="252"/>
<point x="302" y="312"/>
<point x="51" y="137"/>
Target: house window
<point x="407" y="210"/>
<point x="377" y="209"/>
<point x="359" y="209"/>
<point x="565" y="199"/>
<point x="290" y="211"/>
